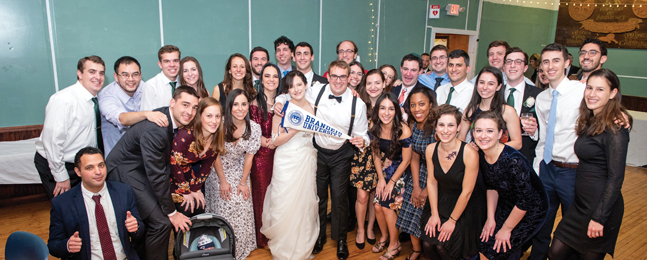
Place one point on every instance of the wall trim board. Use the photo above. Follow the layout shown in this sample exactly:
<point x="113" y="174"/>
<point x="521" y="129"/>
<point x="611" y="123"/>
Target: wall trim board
<point x="249" y="23"/>
<point x="320" y="33"/>
<point x="631" y="77"/>
<point x="634" y="103"/>
<point x="161" y="23"/>
<point x="17" y="133"/>
<point x="542" y="4"/>
<point x="51" y="43"/>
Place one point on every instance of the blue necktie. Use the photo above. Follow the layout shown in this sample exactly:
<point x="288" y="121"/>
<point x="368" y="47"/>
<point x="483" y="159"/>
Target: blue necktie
<point x="285" y="72"/>
<point x="550" y="129"/>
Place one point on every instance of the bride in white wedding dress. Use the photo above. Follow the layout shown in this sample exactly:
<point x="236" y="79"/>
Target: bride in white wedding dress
<point x="290" y="209"/>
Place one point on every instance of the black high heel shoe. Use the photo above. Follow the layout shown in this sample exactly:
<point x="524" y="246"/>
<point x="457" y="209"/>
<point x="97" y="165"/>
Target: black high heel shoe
<point x="360" y="246"/>
<point x="370" y="241"/>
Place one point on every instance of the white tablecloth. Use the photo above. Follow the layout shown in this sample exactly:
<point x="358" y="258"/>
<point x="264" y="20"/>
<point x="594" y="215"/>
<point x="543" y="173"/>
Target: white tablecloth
<point x="637" y="152"/>
<point x="17" y="162"/>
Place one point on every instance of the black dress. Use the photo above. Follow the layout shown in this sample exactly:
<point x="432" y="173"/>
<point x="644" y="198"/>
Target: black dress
<point x="513" y="177"/>
<point x="464" y="241"/>
<point x="598" y="195"/>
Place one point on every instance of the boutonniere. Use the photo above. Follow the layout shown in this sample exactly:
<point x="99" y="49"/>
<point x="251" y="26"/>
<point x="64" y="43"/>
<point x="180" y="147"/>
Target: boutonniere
<point x="529" y="103"/>
<point x="315" y="83"/>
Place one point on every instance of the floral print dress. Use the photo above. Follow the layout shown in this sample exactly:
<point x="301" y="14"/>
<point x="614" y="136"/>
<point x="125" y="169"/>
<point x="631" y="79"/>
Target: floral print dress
<point x="237" y="211"/>
<point x="389" y="166"/>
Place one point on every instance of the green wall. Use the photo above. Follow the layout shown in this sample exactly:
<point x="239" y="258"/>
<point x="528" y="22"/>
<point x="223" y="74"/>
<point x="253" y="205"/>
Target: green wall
<point x="527" y="28"/>
<point x="533" y="28"/>
<point x="209" y="30"/>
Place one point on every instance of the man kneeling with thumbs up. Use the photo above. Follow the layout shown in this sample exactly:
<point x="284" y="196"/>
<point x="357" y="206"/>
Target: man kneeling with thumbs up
<point x="94" y="220"/>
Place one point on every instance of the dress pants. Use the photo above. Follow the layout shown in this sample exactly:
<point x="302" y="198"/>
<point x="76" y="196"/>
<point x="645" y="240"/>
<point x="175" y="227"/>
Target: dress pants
<point x="560" y="186"/>
<point x="333" y="169"/>
<point x="154" y="245"/>
<point x="47" y="178"/>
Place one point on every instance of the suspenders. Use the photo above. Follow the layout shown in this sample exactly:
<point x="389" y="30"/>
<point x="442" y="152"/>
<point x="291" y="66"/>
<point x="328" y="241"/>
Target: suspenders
<point x="352" y="111"/>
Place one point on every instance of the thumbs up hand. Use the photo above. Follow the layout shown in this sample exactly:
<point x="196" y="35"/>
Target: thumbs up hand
<point x="74" y="244"/>
<point x="131" y="222"/>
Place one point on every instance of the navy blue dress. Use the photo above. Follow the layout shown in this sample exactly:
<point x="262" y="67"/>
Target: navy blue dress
<point x="513" y="177"/>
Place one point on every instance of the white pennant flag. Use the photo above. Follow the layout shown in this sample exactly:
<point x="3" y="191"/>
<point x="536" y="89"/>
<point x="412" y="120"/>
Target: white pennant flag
<point x="297" y="118"/>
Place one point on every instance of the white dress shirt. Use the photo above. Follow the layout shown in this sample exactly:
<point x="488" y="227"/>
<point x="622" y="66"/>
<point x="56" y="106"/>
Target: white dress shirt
<point x="505" y="80"/>
<point x="461" y="96"/>
<point x="407" y="91"/>
<point x="95" y="242"/>
<point x="517" y="94"/>
<point x="157" y="92"/>
<point x="309" y="76"/>
<point x="113" y="101"/>
<point x="570" y="96"/>
<point x="69" y="126"/>
<point x="335" y="114"/>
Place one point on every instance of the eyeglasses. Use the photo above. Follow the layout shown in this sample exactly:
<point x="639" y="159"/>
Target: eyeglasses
<point x="135" y="75"/>
<point x="591" y="53"/>
<point x="338" y="77"/>
<point x="517" y="62"/>
<point x="438" y="58"/>
<point x="345" y="51"/>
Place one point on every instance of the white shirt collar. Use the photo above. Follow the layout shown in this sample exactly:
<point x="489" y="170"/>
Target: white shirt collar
<point x="89" y="194"/>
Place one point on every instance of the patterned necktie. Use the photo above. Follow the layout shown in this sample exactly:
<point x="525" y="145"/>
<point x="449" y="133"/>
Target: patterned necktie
<point x="511" y="97"/>
<point x="449" y="97"/>
<point x="104" y="232"/>
<point x="401" y="98"/>
<point x="550" y="129"/>
<point x="438" y="80"/>
<point x="97" y="118"/>
<point x="172" y="86"/>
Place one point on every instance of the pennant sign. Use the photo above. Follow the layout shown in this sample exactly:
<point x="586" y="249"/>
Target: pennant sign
<point x="297" y="118"/>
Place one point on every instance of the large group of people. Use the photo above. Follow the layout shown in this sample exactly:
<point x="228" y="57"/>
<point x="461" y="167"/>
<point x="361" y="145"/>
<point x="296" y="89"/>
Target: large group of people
<point x="460" y="168"/>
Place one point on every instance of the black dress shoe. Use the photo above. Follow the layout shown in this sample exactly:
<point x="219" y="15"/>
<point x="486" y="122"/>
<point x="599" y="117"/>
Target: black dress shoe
<point x="319" y="245"/>
<point x="342" y="250"/>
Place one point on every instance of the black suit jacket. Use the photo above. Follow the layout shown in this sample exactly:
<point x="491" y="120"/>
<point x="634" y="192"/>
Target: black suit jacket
<point x="573" y="71"/>
<point x="142" y="158"/>
<point x="396" y="90"/>
<point x="321" y="79"/>
<point x="528" y="145"/>
<point x="69" y="215"/>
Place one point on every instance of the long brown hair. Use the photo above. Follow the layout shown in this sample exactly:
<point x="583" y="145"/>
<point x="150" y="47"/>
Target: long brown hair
<point x="218" y="139"/>
<point x="396" y="128"/>
<point x="202" y="91"/>
<point x="361" y="89"/>
<point x="248" y="82"/>
<point x="590" y="124"/>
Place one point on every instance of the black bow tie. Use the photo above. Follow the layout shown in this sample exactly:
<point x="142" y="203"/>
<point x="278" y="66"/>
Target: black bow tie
<point x="334" y="97"/>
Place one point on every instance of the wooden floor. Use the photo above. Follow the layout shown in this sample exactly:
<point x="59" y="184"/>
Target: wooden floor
<point x="632" y="240"/>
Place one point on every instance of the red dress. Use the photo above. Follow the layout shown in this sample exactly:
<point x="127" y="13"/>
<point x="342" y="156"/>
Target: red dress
<point x="261" y="173"/>
<point x="184" y="160"/>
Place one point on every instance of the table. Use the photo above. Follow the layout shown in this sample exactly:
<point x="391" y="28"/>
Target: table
<point x="17" y="162"/>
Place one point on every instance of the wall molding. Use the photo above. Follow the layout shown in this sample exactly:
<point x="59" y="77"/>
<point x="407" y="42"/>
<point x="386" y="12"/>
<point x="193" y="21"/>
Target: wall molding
<point x="541" y="4"/>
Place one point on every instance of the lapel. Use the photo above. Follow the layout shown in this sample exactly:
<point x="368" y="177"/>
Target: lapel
<point x="169" y="128"/>
<point x="82" y="214"/>
<point x="396" y="90"/>
<point x="120" y="214"/>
